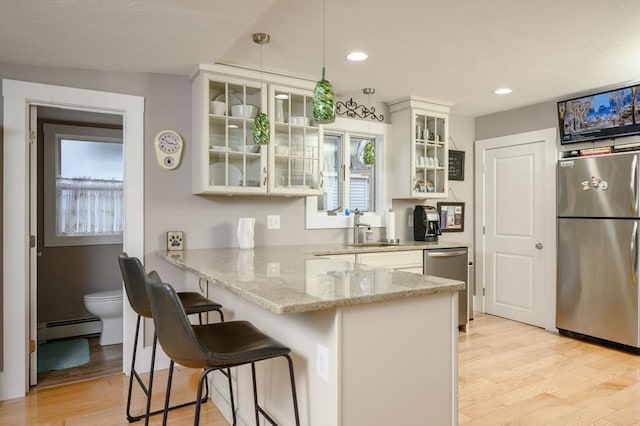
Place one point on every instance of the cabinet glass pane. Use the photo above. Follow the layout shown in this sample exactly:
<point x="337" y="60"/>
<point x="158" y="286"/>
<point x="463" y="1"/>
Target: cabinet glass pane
<point x="281" y="173"/>
<point x="217" y="132"/>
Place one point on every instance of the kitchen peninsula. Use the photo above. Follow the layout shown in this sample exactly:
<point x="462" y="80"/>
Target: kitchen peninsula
<point x="370" y="345"/>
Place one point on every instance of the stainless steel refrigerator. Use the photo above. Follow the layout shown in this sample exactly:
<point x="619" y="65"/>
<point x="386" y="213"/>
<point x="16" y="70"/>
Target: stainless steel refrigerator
<point x="598" y="219"/>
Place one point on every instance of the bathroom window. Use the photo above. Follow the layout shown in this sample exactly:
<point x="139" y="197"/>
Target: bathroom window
<point x="83" y="185"/>
<point x="349" y="183"/>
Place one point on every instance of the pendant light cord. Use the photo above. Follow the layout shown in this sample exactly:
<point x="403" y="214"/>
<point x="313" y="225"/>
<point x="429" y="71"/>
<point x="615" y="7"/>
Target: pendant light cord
<point x="370" y="117"/>
<point x="324" y="6"/>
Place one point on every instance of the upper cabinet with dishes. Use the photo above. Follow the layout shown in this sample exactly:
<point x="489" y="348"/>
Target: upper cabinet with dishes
<point x="296" y="143"/>
<point x="225" y="158"/>
<point x="420" y="163"/>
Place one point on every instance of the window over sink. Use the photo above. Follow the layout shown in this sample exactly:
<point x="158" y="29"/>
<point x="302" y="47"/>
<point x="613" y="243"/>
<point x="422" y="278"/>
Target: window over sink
<point x="349" y="183"/>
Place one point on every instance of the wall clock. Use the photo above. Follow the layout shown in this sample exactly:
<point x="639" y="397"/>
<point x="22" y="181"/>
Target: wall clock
<point x="169" y="146"/>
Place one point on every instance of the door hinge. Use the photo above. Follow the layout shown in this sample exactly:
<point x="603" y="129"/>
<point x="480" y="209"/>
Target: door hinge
<point x="483" y="230"/>
<point x="483" y="291"/>
<point x="32" y="136"/>
<point x="32" y="241"/>
<point x="32" y="346"/>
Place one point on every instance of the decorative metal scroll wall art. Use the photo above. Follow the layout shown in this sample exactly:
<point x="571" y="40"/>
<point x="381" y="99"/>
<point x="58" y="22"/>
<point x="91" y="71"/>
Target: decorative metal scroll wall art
<point x="351" y="109"/>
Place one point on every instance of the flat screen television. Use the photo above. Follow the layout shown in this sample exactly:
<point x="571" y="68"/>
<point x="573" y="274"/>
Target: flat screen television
<point x="604" y="115"/>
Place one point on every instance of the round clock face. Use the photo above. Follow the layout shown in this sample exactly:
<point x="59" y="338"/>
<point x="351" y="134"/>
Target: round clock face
<point x="169" y="143"/>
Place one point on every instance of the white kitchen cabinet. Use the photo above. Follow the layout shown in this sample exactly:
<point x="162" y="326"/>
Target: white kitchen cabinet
<point x="420" y="158"/>
<point x="225" y="159"/>
<point x="295" y="157"/>
<point x="408" y="261"/>
<point x="348" y="257"/>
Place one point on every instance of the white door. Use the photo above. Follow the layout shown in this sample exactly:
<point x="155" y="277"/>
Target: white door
<point x="515" y="187"/>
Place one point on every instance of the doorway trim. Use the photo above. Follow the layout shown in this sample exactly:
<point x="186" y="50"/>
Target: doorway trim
<point x="18" y="97"/>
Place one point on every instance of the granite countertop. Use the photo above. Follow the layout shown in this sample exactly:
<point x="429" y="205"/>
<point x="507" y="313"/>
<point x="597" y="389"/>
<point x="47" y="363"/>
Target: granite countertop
<point x="292" y="279"/>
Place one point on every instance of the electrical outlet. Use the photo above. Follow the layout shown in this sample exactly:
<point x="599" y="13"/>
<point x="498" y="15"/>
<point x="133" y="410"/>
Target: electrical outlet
<point x="410" y="221"/>
<point x="273" y="222"/>
<point x="322" y="361"/>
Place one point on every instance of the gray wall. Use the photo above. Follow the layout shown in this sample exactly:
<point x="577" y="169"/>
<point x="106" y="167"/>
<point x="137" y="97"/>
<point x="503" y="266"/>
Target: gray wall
<point x="534" y="117"/>
<point x="208" y="221"/>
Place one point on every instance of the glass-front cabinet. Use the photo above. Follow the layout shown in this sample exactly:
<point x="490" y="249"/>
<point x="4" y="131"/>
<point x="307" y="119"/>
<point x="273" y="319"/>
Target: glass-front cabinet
<point x="430" y="157"/>
<point x="226" y="160"/>
<point x="295" y="161"/>
<point x="421" y="132"/>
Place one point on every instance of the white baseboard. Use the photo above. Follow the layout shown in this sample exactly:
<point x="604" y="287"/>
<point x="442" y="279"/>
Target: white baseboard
<point x="52" y="331"/>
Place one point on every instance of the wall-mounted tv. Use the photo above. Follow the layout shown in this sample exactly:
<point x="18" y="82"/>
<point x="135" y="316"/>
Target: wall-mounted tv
<point x="603" y="115"/>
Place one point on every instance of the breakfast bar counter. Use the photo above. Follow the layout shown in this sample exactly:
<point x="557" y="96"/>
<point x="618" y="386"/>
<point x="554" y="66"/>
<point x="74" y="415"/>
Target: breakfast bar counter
<point x="370" y="345"/>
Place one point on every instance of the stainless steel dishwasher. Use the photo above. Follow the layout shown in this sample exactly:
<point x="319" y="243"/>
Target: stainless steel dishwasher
<point x="451" y="263"/>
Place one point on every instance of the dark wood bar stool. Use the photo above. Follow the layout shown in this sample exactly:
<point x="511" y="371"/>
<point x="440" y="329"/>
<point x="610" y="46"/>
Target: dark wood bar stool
<point x="134" y="277"/>
<point x="211" y="347"/>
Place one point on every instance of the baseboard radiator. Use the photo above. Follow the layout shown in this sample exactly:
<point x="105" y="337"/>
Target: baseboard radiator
<point x="70" y="328"/>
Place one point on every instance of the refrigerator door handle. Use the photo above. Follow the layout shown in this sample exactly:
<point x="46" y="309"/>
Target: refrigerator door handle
<point x="634" y="253"/>
<point x="634" y="185"/>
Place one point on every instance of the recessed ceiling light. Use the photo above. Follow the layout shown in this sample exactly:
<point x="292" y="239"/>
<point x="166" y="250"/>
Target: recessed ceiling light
<point x="232" y="126"/>
<point x="502" y="91"/>
<point x="282" y="96"/>
<point x="357" y="56"/>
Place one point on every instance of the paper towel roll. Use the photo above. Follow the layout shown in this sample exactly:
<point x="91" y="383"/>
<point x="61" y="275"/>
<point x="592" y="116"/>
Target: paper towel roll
<point x="391" y="225"/>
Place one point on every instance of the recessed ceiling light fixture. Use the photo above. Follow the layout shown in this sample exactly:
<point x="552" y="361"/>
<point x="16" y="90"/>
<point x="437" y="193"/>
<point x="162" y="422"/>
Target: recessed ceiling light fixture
<point x="357" y="56"/>
<point x="503" y="91"/>
<point x="282" y="96"/>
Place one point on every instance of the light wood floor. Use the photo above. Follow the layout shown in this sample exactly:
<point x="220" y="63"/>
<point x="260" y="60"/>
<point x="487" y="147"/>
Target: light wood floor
<point x="509" y="374"/>
<point x="515" y="374"/>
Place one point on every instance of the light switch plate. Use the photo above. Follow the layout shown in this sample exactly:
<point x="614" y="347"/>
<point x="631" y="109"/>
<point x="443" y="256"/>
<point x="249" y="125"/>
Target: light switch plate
<point x="273" y="222"/>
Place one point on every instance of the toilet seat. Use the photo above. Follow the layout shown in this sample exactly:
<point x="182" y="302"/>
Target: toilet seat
<point x="104" y="296"/>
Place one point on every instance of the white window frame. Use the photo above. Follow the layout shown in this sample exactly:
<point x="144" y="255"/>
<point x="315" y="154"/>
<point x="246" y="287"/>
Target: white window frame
<point x="53" y="134"/>
<point x="316" y="219"/>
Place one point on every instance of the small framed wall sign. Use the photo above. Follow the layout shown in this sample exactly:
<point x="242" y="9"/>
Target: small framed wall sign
<point x="175" y="240"/>
<point x="456" y="165"/>
<point x="451" y="216"/>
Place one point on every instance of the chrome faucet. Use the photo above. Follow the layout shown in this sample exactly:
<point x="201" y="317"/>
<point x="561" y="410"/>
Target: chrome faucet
<point x="356" y="225"/>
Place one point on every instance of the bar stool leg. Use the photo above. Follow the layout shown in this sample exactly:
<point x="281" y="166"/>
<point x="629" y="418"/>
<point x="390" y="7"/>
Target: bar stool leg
<point x="165" y="412"/>
<point x="293" y="390"/>
<point x="150" y="387"/>
<point x="255" y="393"/>
<point x="133" y="374"/>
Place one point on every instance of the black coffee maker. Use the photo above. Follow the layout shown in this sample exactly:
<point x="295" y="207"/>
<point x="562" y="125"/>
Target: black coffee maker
<point x="426" y="223"/>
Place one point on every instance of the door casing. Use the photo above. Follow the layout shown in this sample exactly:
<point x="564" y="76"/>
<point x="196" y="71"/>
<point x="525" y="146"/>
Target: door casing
<point x="548" y="182"/>
<point x="18" y="97"/>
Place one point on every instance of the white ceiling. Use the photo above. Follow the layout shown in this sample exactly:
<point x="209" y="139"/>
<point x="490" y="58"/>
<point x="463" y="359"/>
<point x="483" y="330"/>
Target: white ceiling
<point x="456" y="51"/>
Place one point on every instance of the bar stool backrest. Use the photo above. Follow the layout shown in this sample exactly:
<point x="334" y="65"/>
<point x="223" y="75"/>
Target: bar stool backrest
<point x="134" y="277"/>
<point x="173" y="328"/>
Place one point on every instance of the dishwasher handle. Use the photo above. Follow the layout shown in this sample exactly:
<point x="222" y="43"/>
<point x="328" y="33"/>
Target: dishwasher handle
<point x="434" y="253"/>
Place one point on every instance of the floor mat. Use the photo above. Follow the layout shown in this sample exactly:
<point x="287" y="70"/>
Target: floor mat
<point x="62" y="354"/>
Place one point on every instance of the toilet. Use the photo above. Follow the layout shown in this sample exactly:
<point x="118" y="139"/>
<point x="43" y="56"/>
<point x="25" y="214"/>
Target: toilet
<point x="107" y="305"/>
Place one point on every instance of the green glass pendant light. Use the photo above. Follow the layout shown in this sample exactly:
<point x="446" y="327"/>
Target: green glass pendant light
<point x="261" y="127"/>
<point x="324" y="100"/>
